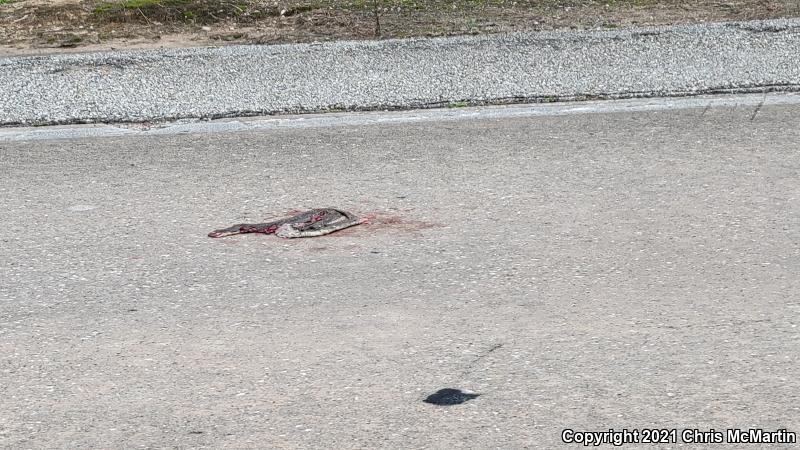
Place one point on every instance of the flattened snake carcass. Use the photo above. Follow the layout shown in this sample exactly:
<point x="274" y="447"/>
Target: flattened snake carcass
<point x="315" y="222"/>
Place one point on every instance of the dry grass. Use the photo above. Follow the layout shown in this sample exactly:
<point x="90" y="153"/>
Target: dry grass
<point x="26" y="25"/>
<point x="182" y="11"/>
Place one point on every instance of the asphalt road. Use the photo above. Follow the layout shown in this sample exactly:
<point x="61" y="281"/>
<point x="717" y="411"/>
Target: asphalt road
<point x="588" y="271"/>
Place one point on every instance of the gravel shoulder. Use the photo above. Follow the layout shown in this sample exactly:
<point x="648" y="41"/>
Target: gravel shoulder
<point x="203" y="83"/>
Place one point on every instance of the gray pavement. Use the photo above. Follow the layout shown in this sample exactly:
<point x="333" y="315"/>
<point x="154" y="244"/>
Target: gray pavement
<point x="400" y="74"/>
<point x="590" y="271"/>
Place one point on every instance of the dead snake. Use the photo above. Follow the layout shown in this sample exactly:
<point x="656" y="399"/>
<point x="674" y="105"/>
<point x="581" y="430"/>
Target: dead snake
<point x="316" y="222"/>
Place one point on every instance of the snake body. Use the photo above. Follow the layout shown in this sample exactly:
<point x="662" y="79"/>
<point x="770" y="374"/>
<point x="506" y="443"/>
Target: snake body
<point x="315" y="222"/>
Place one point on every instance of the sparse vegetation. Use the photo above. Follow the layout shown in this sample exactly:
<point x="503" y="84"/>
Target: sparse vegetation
<point x="70" y="23"/>
<point x="194" y="11"/>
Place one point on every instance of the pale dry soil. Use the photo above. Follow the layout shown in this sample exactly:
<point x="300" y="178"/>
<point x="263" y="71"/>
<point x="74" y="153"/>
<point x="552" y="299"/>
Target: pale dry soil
<point x="40" y="26"/>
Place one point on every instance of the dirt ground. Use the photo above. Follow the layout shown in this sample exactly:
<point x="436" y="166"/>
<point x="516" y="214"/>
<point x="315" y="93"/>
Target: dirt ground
<point x="42" y="26"/>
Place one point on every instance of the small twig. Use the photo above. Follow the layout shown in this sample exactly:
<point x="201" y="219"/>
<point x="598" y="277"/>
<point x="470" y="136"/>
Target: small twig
<point x="377" y="18"/>
<point x="705" y="110"/>
<point x="480" y="357"/>
<point x="235" y="6"/>
<point x="758" y="108"/>
<point x="20" y="19"/>
<point x="145" y="17"/>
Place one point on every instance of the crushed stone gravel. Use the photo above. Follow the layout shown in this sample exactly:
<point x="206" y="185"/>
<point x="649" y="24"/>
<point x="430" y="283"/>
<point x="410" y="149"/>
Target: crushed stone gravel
<point x="200" y="83"/>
